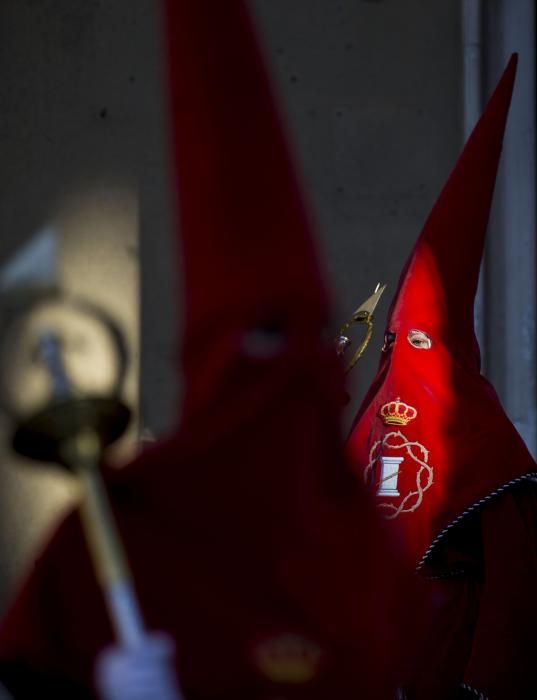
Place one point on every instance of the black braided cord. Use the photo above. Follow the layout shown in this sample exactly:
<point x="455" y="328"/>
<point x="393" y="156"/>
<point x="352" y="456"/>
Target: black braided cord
<point x="531" y="476"/>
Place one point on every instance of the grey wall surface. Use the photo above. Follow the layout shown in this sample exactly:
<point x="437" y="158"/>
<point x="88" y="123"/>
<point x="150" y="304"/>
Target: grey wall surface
<point x="75" y="90"/>
<point x="371" y="92"/>
<point x="511" y="255"/>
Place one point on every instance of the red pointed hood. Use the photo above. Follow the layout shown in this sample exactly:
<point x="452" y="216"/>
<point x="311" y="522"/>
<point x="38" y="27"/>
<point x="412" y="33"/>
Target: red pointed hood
<point x="263" y="513"/>
<point x="245" y="236"/>
<point x="429" y="408"/>
<point x="438" y="285"/>
<point x="250" y="540"/>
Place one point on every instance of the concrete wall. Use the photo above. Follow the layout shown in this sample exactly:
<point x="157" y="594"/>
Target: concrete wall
<point x="372" y="94"/>
<point x="75" y="90"/>
<point x="511" y="255"/>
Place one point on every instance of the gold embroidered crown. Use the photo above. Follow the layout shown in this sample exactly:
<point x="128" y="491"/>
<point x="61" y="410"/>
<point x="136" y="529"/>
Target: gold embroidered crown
<point x="288" y="659"/>
<point x="397" y="413"/>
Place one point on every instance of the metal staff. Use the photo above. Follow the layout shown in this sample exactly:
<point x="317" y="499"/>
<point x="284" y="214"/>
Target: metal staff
<point x="74" y="431"/>
<point x="364" y="315"/>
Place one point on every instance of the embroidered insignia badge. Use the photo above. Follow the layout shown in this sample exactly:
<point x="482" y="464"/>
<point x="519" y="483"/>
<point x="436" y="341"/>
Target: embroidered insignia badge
<point x="387" y="469"/>
<point x="288" y="658"/>
<point x="397" y="413"/>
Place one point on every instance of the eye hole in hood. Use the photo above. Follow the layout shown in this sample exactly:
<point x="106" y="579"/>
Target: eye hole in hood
<point x="419" y="339"/>
<point x="389" y="340"/>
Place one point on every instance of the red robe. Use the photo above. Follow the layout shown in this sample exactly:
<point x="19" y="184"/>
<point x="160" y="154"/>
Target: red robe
<point x="250" y="540"/>
<point x="481" y="632"/>
<point x="223" y="571"/>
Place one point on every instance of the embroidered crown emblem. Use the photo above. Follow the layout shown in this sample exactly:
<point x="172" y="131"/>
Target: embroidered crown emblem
<point x="397" y="413"/>
<point x="288" y="659"/>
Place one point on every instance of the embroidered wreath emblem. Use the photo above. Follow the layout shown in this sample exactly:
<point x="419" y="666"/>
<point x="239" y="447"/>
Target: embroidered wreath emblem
<point x="424" y="475"/>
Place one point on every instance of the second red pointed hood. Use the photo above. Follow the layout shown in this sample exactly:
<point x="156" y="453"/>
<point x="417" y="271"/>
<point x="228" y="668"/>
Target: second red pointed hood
<point x="431" y="437"/>
<point x="249" y="260"/>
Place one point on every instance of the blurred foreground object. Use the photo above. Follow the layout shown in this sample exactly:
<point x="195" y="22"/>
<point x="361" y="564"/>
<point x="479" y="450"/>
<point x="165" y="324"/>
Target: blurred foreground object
<point x="79" y="352"/>
<point x="253" y="546"/>
<point x="62" y="370"/>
